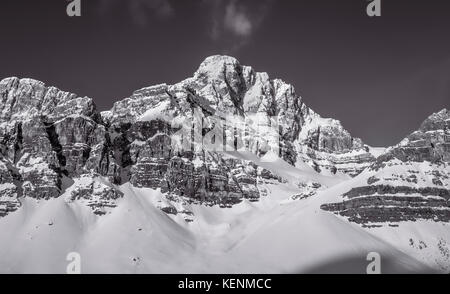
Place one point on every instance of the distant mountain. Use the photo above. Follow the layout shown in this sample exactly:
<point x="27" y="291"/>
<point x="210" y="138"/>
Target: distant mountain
<point x="211" y="168"/>
<point x="408" y="190"/>
<point x="408" y="182"/>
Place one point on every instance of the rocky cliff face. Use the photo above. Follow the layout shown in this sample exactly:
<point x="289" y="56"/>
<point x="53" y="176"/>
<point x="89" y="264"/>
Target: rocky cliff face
<point x="329" y="148"/>
<point x="51" y="141"/>
<point x="48" y="138"/>
<point x="431" y="142"/>
<point x="411" y="181"/>
<point x="223" y="88"/>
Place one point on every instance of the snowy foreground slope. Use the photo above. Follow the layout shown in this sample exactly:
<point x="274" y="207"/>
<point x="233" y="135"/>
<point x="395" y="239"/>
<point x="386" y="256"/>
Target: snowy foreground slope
<point x="166" y="182"/>
<point x="275" y="235"/>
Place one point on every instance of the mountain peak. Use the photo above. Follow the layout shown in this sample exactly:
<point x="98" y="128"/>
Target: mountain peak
<point x="443" y="113"/>
<point x="219" y="60"/>
<point x="9" y="80"/>
<point x="218" y="67"/>
<point x="437" y="121"/>
<point x="21" y="81"/>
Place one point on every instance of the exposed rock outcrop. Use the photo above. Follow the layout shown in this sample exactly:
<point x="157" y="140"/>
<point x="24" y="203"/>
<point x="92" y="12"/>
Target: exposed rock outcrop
<point x="99" y="195"/>
<point x="411" y="181"/>
<point x="46" y="136"/>
<point x="327" y="146"/>
<point x="431" y="142"/>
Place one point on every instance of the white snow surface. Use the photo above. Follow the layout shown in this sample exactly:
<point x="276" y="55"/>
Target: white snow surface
<point x="158" y="112"/>
<point x="274" y="235"/>
<point x="377" y="151"/>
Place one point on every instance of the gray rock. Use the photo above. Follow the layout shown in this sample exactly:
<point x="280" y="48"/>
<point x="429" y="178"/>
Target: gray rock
<point x="384" y="203"/>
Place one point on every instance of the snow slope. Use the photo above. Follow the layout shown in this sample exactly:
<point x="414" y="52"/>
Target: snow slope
<point x="426" y="240"/>
<point x="274" y="235"/>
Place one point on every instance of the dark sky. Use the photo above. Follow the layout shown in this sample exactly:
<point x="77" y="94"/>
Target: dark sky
<point x="380" y="76"/>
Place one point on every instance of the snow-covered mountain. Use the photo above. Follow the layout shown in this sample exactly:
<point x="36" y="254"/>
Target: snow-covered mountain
<point x="226" y="171"/>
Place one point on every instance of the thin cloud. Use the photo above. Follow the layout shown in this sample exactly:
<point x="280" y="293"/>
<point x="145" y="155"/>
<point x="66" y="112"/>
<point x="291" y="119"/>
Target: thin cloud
<point x="231" y="23"/>
<point x="141" y="10"/>
<point x="235" y="21"/>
